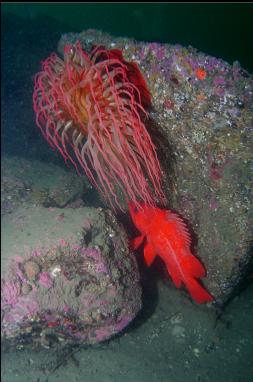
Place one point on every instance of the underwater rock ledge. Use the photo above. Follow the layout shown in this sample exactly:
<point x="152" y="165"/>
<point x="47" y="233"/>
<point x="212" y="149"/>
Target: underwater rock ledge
<point x="201" y="122"/>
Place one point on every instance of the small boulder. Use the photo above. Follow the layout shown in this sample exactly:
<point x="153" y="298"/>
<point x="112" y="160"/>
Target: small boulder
<point x="80" y="287"/>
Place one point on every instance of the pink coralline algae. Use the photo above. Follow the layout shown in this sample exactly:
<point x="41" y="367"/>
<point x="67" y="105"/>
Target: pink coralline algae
<point x="95" y="254"/>
<point x="218" y="80"/>
<point x="10" y="291"/>
<point x="45" y="280"/>
<point x="26" y="307"/>
<point x="36" y="252"/>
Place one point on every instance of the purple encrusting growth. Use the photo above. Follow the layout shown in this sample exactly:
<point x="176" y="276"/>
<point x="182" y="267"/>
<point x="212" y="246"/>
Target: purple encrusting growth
<point x="45" y="280"/>
<point x="96" y="255"/>
<point x="25" y="306"/>
<point x="81" y="293"/>
<point x="10" y="291"/>
<point x="36" y="252"/>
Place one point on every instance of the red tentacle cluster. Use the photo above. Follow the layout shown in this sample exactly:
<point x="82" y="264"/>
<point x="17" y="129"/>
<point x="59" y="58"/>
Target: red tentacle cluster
<point x="91" y="108"/>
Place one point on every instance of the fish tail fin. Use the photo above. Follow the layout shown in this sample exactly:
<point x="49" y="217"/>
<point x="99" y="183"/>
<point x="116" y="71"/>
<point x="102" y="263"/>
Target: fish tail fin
<point x="197" y="291"/>
<point x="193" y="269"/>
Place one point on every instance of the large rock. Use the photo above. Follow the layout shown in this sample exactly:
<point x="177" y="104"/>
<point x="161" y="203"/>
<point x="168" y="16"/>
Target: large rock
<point x="76" y="282"/>
<point x="201" y="122"/>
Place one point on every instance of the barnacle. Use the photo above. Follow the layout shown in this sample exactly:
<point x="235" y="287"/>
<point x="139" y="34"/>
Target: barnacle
<point x="92" y="108"/>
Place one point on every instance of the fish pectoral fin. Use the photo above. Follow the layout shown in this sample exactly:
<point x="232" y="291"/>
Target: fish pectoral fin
<point x="175" y="278"/>
<point x="136" y="242"/>
<point x="149" y="254"/>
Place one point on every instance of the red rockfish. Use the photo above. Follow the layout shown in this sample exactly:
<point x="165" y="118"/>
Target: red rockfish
<point x="168" y="237"/>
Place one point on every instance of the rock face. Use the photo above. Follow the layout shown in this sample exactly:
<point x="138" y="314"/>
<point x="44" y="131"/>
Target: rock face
<point x="201" y="122"/>
<point x="35" y="182"/>
<point x="80" y="288"/>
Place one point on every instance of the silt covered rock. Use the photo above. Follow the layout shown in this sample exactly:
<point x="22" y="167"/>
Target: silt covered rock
<point x="81" y="289"/>
<point x="36" y="182"/>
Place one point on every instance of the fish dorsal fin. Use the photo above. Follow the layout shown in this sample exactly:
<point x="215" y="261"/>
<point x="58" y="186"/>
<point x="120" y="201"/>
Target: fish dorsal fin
<point x="180" y="226"/>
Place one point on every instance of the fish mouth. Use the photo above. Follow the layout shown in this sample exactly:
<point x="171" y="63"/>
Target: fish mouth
<point x="133" y="209"/>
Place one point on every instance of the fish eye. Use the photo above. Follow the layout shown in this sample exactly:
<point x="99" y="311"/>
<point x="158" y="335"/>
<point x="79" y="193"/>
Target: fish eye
<point x="136" y="209"/>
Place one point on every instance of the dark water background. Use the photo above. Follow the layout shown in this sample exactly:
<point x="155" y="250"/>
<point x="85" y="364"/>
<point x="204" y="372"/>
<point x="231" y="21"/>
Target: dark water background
<point x="221" y="30"/>
<point x="30" y="32"/>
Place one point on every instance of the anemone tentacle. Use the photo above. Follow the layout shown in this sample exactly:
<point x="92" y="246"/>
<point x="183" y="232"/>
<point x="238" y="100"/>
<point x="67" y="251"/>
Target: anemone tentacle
<point x="92" y="109"/>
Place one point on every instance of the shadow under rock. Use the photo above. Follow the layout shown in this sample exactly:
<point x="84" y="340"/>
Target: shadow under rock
<point x="148" y="278"/>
